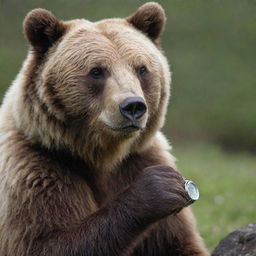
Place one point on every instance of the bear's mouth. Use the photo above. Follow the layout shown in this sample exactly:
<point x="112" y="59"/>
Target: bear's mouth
<point x="128" y="128"/>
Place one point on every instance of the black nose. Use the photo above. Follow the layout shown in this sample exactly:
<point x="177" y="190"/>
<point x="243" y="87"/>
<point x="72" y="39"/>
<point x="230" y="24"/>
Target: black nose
<point x="133" y="108"/>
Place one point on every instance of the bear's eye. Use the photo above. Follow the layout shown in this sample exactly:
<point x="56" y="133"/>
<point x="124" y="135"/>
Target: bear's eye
<point x="142" y="71"/>
<point x="97" y="73"/>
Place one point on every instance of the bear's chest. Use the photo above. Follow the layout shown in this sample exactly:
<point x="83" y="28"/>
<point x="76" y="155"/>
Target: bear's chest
<point x="106" y="185"/>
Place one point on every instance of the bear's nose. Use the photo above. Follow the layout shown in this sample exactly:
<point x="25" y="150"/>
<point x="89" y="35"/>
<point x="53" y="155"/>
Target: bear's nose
<point x="133" y="108"/>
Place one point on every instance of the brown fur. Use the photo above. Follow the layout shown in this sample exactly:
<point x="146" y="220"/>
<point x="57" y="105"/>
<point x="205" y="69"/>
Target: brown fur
<point x="150" y="19"/>
<point x="72" y="182"/>
<point x="42" y="29"/>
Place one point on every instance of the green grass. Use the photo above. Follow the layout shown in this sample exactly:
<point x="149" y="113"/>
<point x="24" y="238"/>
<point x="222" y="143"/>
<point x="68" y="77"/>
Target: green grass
<point x="227" y="184"/>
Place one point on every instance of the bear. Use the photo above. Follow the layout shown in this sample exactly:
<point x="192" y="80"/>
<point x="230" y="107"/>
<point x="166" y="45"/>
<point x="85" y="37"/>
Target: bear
<point x="85" y="168"/>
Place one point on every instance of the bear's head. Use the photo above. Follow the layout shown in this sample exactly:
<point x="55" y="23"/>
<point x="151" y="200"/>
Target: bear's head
<point x="98" y="90"/>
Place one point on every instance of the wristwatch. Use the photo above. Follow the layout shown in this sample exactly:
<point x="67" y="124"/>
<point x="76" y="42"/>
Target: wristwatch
<point x="191" y="190"/>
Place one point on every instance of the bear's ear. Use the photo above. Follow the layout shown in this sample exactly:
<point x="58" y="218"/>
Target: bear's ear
<point x="42" y="29"/>
<point x="150" y="19"/>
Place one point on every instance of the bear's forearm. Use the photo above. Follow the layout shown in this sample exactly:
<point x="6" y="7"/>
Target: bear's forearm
<point x="112" y="230"/>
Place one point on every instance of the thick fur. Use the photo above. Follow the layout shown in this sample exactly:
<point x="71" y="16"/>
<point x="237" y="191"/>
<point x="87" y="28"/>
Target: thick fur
<point x="72" y="182"/>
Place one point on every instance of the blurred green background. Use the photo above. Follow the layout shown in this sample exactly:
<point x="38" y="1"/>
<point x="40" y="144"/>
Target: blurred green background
<point x="211" y="45"/>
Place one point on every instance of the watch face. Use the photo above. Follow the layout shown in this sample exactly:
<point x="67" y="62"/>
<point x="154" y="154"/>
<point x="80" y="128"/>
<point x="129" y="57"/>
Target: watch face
<point x="192" y="190"/>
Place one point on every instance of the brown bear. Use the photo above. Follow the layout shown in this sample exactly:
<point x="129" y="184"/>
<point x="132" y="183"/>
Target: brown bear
<point x="84" y="168"/>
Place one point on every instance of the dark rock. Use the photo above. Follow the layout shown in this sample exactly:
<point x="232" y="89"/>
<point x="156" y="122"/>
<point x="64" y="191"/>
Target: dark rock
<point x="241" y="242"/>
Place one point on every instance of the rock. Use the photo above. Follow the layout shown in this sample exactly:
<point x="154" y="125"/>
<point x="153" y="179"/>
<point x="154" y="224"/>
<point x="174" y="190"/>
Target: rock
<point x="241" y="242"/>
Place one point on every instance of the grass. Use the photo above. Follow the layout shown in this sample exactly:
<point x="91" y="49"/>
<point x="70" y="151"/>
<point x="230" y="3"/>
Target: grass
<point x="227" y="184"/>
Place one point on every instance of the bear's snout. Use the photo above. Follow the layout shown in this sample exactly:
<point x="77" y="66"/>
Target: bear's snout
<point x="133" y="108"/>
